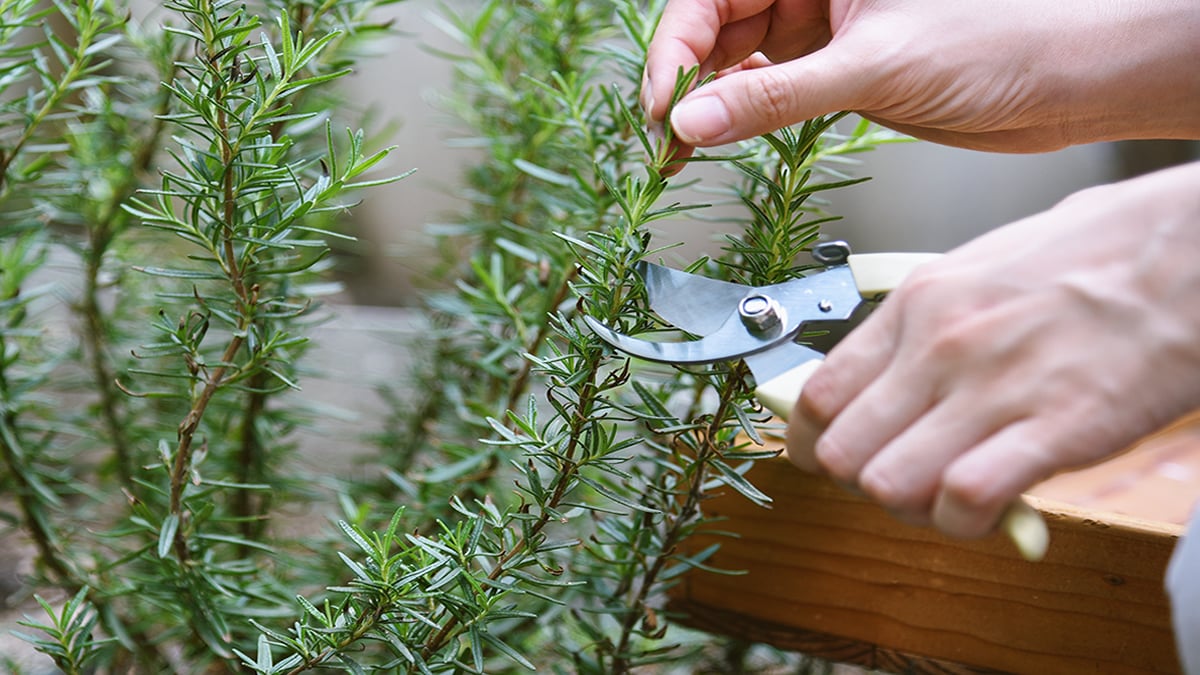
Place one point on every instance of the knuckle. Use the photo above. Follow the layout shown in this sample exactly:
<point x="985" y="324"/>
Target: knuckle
<point x="969" y="504"/>
<point x="969" y="490"/>
<point x="772" y="97"/>
<point x="946" y="325"/>
<point x="952" y="343"/>
<point x="926" y="296"/>
<point x="835" y="460"/>
<point x="969" y="494"/>
<point x="892" y="495"/>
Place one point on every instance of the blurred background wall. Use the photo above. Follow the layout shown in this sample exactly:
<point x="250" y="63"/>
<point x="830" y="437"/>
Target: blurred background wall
<point x="921" y="197"/>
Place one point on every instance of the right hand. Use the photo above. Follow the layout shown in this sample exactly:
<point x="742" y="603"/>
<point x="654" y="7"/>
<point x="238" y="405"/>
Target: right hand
<point x="1044" y="345"/>
<point x="1016" y="76"/>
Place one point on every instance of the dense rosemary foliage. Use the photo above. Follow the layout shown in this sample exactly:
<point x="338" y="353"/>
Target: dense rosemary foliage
<point x="186" y="165"/>
<point x="537" y="491"/>
<point x="591" y="471"/>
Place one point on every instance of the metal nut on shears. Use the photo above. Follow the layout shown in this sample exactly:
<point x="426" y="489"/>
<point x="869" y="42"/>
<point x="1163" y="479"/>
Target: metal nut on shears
<point x="760" y="313"/>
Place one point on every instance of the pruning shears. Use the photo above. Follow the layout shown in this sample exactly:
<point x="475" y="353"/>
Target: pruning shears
<point x="782" y="332"/>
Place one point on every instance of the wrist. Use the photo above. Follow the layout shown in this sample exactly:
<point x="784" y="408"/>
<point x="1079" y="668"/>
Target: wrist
<point x="1138" y="80"/>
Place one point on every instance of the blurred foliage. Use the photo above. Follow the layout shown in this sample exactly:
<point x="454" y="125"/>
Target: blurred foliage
<point x="169" y="188"/>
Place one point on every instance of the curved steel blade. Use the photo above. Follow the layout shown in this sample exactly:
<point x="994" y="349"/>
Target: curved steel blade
<point x="701" y="306"/>
<point x="771" y="359"/>
<point x="730" y="342"/>
<point x="772" y="363"/>
<point x="829" y="297"/>
<point x="694" y="303"/>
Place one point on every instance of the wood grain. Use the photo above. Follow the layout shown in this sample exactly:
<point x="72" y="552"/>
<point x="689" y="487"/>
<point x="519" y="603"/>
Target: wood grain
<point x="832" y="575"/>
<point x="821" y="645"/>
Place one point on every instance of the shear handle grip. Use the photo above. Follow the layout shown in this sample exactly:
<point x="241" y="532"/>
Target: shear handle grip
<point x="876" y="274"/>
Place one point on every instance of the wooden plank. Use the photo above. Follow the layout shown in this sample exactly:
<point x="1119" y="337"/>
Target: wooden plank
<point x="820" y="645"/>
<point x="834" y="575"/>
<point x="1155" y="481"/>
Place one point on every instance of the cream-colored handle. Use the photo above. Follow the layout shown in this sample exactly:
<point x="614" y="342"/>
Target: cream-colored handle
<point x="780" y="393"/>
<point x="1027" y="529"/>
<point x="876" y="274"/>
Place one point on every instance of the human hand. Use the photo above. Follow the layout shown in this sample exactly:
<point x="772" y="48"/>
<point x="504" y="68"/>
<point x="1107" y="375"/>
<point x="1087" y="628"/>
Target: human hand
<point x="1015" y="76"/>
<point x="1048" y="344"/>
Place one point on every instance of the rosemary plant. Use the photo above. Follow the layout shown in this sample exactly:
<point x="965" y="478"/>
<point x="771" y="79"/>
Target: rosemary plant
<point x="536" y="492"/>
<point x="556" y="482"/>
<point x="186" y="165"/>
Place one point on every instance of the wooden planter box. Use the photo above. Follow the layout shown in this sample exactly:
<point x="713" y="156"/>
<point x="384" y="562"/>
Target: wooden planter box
<point x="832" y="575"/>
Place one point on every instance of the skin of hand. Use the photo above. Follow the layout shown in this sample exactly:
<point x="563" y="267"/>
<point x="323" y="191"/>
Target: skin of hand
<point x="1011" y="76"/>
<point x="1046" y="344"/>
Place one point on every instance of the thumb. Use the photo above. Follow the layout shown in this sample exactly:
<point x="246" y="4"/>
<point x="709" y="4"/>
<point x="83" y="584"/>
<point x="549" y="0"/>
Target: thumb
<point x="743" y="104"/>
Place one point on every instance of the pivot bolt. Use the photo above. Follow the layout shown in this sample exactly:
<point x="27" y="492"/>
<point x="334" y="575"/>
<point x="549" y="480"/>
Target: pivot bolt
<point x="760" y="313"/>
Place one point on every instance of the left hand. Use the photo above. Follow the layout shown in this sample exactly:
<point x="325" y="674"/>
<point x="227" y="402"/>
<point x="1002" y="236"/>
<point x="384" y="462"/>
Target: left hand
<point x="1013" y="76"/>
<point x="1050" y="343"/>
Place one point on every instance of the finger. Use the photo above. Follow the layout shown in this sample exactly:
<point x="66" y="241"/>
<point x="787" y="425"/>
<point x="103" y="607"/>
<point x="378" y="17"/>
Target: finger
<point x="850" y="366"/>
<point x="795" y="29"/>
<point x="802" y="435"/>
<point x="679" y="154"/>
<point x="906" y="474"/>
<point x="686" y="36"/>
<point x="978" y="488"/>
<point x="848" y="369"/>
<point x="678" y="151"/>
<point x="869" y="423"/>
<point x="751" y="62"/>
<point x="753" y="102"/>
<point x="736" y="42"/>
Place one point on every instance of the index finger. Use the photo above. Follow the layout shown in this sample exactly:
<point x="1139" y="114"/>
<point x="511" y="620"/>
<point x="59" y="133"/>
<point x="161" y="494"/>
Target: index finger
<point x="687" y="35"/>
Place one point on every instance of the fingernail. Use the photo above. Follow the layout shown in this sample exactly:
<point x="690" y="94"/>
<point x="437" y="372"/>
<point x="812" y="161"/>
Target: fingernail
<point x="656" y="133"/>
<point x="647" y="97"/>
<point x="700" y="120"/>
